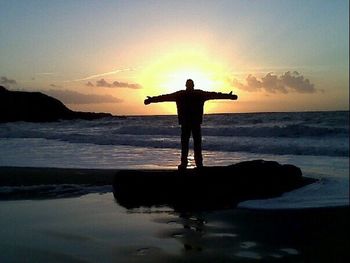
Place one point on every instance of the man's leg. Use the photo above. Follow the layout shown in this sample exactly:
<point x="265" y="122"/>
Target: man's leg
<point x="185" y="138"/>
<point x="197" y="145"/>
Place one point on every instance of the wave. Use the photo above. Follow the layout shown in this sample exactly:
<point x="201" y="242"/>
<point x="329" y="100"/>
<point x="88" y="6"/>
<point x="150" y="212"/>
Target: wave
<point x="281" y="146"/>
<point x="289" y="131"/>
<point x="327" y="192"/>
<point x="319" y="134"/>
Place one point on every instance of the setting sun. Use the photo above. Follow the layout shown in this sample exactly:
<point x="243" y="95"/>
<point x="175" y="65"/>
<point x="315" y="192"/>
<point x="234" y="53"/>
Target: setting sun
<point x="176" y="79"/>
<point x="174" y="131"/>
<point x="169" y="73"/>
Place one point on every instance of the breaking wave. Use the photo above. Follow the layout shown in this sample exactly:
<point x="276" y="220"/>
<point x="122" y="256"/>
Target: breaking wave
<point x="319" y="134"/>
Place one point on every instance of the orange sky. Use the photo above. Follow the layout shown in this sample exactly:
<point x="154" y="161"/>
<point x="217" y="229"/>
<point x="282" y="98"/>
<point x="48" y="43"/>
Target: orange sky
<point x="107" y="57"/>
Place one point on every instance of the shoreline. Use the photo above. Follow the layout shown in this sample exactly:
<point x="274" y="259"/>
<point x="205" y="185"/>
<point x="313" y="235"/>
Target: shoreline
<point x="33" y="183"/>
<point x="28" y="176"/>
<point x="18" y="176"/>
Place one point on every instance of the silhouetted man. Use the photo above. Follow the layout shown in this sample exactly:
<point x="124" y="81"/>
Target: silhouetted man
<point x="190" y="104"/>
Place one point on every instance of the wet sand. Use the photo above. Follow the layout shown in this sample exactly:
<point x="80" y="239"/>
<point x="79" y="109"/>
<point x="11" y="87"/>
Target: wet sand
<point x="95" y="228"/>
<point x="16" y="176"/>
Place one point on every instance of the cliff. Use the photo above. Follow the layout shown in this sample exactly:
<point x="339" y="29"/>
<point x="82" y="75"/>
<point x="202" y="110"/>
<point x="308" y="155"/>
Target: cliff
<point x="37" y="107"/>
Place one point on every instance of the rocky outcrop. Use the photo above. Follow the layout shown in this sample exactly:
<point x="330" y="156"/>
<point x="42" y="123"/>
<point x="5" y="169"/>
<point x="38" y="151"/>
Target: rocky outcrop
<point x="37" y="107"/>
<point x="209" y="187"/>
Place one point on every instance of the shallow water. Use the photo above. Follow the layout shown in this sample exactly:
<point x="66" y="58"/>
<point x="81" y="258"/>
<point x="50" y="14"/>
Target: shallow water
<point x="317" y="142"/>
<point x="94" y="228"/>
<point x="332" y="190"/>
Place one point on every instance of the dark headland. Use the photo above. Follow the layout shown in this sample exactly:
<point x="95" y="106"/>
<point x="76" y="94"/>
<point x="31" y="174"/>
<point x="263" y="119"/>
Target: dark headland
<point x="38" y="107"/>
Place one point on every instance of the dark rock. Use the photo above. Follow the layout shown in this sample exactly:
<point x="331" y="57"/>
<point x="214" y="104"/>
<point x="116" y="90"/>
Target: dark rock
<point x="37" y="107"/>
<point x="206" y="188"/>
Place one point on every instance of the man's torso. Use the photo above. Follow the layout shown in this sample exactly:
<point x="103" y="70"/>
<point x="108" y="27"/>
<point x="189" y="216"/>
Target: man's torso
<point x="190" y="106"/>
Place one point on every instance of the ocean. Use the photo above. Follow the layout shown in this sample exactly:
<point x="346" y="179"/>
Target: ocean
<point x="85" y="223"/>
<point x="317" y="142"/>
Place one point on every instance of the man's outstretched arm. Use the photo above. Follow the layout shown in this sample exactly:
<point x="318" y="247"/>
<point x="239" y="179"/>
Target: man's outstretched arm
<point x="161" y="98"/>
<point x="220" y="96"/>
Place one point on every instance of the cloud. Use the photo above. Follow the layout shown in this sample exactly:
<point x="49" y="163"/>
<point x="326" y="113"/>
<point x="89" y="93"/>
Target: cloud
<point x="285" y="83"/>
<point x="55" y="86"/>
<point x="73" y="97"/>
<point x="105" y="74"/>
<point x="7" y="82"/>
<point x="89" y="84"/>
<point x="103" y="83"/>
<point x="46" y="73"/>
<point x="126" y="85"/>
<point x="117" y="84"/>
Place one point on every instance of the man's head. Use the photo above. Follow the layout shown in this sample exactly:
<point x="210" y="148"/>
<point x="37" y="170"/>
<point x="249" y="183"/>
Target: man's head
<point x="189" y="84"/>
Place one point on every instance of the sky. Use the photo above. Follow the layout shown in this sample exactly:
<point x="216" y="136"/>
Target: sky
<point x="107" y="56"/>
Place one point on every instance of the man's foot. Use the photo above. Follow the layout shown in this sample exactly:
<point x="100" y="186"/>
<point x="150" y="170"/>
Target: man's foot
<point x="199" y="165"/>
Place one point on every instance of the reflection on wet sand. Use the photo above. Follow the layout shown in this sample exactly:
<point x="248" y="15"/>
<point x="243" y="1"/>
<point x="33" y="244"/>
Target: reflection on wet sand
<point x="238" y="235"/>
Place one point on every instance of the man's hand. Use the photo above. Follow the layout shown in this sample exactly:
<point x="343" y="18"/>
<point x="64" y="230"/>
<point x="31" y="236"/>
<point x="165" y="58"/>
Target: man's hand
<point x="233" y="96"/>
<point x="147" y="101"/>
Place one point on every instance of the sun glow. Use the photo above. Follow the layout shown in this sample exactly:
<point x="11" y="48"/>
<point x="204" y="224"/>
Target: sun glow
<point x="169" y="73"/>
<point x="176" y="79"/>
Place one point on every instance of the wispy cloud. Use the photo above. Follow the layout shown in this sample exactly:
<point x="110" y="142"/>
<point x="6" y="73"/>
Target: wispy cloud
<point x="105" y="74"/>
<point x="7" y="82"/>
<point x="285" y="83"/>
<point x="73" y="97"/>
<point x="46" y="73"/>
<point x="115" y="84"/>
<point x="55" y="86"/>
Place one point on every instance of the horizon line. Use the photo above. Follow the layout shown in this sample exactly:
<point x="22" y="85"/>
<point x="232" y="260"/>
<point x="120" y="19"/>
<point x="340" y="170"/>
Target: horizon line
<point x="253" y="112"/>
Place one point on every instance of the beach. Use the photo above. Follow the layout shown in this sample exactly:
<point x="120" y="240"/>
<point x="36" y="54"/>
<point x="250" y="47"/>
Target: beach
<point x="57" y="202"/>
<point x="88" y="225"/>
<point x="25" y="176"/>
